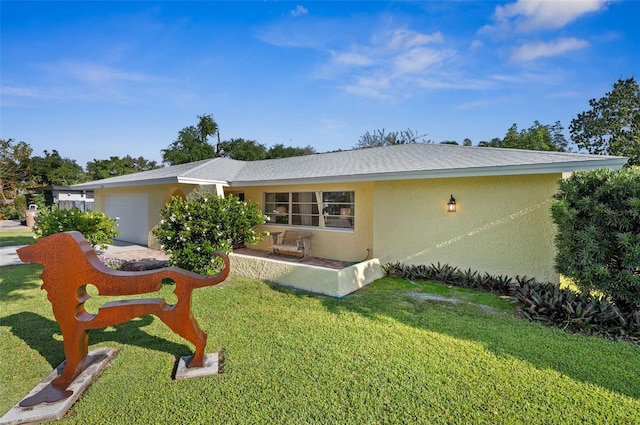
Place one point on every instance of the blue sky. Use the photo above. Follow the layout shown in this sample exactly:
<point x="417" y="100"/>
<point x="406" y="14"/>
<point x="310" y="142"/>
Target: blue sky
<point x="100" y="79"/>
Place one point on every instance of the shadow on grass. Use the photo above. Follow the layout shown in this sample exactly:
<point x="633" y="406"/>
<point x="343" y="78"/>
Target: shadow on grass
<point x="614" y="367"/>
<point x="17" y="279"/>
<point x="38" y="332"/>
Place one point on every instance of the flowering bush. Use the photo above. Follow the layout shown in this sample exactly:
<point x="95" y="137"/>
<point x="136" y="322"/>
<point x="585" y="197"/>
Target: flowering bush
<point x="97" y="228"/>
<point x="191" y="230"/>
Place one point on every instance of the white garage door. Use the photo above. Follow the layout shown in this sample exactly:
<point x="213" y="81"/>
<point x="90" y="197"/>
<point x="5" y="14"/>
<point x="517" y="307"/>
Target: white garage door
<point x="132" y="216"/>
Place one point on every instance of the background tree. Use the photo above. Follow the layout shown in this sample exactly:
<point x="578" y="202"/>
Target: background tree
<point x="538" y="137"/>
<point x="192" y="143"/>
<point x="52" y="169"/>
<point x="243" y="150"/>
<point x="282" y="151"/>
<point x="493" y="143"/>
<point x="449" y="142"/>
<point x="14" y="157"/>
<point x="116" y="166"/>
<point x="382" y="138"/>
<point x="467" y="142"/>
<point x="598" y="240"/>
<point x="612" y="126"/>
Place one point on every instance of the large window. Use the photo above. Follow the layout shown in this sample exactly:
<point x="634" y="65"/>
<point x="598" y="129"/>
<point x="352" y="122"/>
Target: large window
<point x="318" y="209"/>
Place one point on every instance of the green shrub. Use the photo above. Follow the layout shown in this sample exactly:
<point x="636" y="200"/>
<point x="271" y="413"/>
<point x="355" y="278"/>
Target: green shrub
<point x="193" y="229"/>
<point x="97" y="228"/>
<point x="598" y="240"/>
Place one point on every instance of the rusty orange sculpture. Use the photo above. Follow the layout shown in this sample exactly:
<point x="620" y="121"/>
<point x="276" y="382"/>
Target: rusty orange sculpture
<point x="70" y="264"/>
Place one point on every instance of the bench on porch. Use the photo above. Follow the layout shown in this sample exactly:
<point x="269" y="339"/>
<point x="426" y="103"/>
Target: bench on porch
<point x="292" y="241"/>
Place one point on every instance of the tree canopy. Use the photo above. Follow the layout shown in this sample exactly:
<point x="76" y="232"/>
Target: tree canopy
<point x="281" y="151"/>
<point x="192" y="143"/>
<point x="52" y="169"/>
<point x="612" y="125"/>
<point x="115" y="166"/>
<point x="14" y="157"/>
<point x="382" y="138"/>
<point x="243" y="150"/>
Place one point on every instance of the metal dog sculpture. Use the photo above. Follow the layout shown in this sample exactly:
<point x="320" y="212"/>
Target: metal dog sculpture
<point x="70" y="264"/>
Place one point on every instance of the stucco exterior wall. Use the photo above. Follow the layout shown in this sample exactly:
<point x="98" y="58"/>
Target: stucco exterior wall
<point x="336" y="244"/>
<point x="502" y="225"/>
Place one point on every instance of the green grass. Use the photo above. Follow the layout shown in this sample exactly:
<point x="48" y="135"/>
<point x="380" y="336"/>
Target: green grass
<point x="16" y="237"/>
<point x="381" y="355"/>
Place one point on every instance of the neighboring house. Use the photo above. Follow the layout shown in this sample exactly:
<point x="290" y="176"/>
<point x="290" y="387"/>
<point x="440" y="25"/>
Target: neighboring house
<point x="67" y="197"/>
<point x="387" y="203"/>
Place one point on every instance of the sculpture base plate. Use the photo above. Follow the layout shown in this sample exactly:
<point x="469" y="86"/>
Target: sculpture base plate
<point x="45" y="412"/>
<point x="211" y="366"/>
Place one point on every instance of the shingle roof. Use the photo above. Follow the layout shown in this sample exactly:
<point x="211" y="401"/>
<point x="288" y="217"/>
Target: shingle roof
<point x="384" y="163"/>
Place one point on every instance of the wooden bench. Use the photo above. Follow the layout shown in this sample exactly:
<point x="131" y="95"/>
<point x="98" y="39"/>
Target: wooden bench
<point x="292" y="241"/>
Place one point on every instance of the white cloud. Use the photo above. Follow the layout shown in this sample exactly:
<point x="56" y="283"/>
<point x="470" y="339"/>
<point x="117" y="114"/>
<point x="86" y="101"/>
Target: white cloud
<point x="352" y="59"/>
<point x="67" y="81"/>
<point x="403" y="38"/>
<point x="532" y="15"/>
<point x="417" y="60"/>
<point x="299" y="11"/>
<point x="390" y="61"/>
<point x="476" y="104"/>
<point x="96" y="73"/>
<point x="21" y="91"/>
<point x="531" y="51"/>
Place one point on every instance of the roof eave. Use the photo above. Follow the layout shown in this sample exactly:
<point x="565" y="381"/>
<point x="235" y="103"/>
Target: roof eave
<point x="148" y="182"/>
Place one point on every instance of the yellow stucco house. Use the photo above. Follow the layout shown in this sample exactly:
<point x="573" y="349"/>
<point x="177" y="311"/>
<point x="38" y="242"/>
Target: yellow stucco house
<point x="384" y="204"/>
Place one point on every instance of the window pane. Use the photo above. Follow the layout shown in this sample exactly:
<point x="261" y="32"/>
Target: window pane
<point x="276" y="207"/>
<point x="338" y="209"/>
<point x="305" y="220"/>
<point x="338" y="197"/>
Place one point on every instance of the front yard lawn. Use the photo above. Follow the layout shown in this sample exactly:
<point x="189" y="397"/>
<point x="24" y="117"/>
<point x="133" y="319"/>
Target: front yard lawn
<point x="16" y="237"/>
<point x="386" y="354"/>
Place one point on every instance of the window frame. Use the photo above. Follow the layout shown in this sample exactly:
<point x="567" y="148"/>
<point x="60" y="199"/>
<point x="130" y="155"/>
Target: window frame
<point x="326" y="209"/>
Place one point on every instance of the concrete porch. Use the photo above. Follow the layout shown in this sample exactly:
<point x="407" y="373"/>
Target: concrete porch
<point x="319" y="275"/>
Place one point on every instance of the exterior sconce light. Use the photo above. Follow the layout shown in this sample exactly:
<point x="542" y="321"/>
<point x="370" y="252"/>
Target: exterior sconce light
<point x="451" y="205"/>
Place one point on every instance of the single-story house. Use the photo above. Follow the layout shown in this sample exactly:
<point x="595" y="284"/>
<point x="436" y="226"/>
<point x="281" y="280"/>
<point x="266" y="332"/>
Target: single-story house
<point x="384" y="204"/>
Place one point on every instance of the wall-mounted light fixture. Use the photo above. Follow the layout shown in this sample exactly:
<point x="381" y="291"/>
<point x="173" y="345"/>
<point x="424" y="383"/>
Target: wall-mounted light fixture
<point x="451" y="205"/>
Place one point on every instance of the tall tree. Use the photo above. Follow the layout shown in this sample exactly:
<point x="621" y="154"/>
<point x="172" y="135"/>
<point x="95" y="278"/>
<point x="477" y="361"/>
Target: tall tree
<point x="52" y="169"/>
<point x="14" y="157"/>
<point x="243" y="150"/>
<point x="192" y="143"/>
<point x="612" y="126"/>
<point x="382" y="138"/>
<point x="281" y="151"/>
<point x="116" y="166"/>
